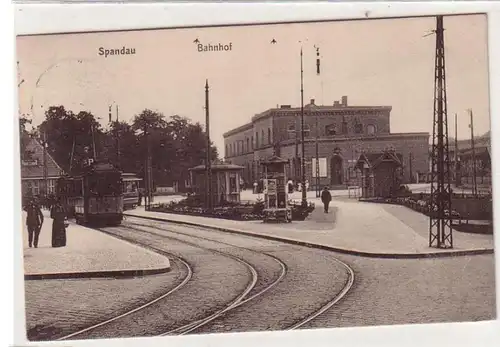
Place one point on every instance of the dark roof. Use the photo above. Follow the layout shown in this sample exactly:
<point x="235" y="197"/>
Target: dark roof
<point x="217" y="167"/>
<point x="374" y="159"/>
<point x="479" y="151"/>
<point x="274" y="160"/>
<point x="34" y="168"/>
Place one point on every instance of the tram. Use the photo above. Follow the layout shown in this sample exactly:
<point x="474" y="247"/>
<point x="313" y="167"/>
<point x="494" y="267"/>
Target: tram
<point x="130" y="190"/>
<point x="95" y="196"/>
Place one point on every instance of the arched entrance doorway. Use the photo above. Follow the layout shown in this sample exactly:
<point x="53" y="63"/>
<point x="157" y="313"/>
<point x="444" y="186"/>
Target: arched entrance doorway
<point x="336" y="170"/>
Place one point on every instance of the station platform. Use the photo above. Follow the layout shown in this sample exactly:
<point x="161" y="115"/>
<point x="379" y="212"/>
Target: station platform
<point x="350" y="227"/>
<point x="88" y="253"/>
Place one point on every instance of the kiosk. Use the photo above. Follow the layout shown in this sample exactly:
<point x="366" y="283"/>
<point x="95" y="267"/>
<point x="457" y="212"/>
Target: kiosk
<point x="225" y="183"/>
<point x="275" y="191"/>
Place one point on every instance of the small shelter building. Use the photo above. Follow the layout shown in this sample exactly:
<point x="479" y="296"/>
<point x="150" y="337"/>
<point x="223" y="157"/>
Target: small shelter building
<point x="381" y="173"/>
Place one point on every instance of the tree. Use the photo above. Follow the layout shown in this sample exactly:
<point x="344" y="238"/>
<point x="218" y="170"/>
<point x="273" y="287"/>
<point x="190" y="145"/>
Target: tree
<point x="71" y="138"/>
<point x="123" y="147"/>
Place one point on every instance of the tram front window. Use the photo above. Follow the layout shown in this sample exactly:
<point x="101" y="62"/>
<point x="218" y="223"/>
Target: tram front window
<point x="105" y="184"/>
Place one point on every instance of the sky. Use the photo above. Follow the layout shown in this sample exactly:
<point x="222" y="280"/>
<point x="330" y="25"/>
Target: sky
<point x="374" y="62"/>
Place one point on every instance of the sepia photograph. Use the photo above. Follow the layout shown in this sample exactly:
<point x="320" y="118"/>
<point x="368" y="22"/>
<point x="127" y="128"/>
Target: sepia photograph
<point x="250" y="178"/>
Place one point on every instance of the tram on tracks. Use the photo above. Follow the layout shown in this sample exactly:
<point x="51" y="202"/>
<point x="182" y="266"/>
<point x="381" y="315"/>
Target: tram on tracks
<point x="95" y="196"/>
<point x="130" y="190"/>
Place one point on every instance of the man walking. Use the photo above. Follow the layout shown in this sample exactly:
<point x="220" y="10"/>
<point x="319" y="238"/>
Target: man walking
<point x="34" y="222"/>
<point x="326" y="197"/>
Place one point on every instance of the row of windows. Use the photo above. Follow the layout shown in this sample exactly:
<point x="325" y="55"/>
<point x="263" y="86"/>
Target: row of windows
<point x="333" y="129"/>
<point x="247" y="145"/>
<point x="37" y="187"/>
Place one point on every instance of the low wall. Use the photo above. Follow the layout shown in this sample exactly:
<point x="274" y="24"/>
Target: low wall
<point x="473" y="208"/>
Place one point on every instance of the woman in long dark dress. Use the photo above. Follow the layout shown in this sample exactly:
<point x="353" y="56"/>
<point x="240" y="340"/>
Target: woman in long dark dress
<point x="58" y="215"/>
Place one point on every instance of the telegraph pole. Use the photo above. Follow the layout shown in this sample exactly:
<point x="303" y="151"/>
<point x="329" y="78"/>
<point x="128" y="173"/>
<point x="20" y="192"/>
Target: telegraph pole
<point x="148" y="176"/>
<point x="411" y="167"/>
<point x="118" y="154"/>
<point x="457" y="164"/>
<point x="208" y="165"/>
<point x="45" y="168"/>
<point x="440" y="231"/>
<point x="303" y="161"/>
<point x="471" y="126"/>
<point x="318" y="189"/>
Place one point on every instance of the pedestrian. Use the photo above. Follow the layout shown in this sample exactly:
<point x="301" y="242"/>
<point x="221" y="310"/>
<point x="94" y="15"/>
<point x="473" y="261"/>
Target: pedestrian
<point x="307" y="185"/>
<point x="34" y="222"/>
<point x="255" y="185"/>
<point x="290" y="186"/>
<point x="326" y="197"/>
<point x="139" y="202"/>
<point x="58" y="215"/>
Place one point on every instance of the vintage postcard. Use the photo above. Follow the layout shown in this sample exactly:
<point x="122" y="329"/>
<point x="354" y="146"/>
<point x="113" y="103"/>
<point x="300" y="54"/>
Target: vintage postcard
<point x="256" y="178"/>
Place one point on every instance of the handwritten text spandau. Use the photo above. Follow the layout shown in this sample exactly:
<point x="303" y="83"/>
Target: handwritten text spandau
<point x="106" y="52"/>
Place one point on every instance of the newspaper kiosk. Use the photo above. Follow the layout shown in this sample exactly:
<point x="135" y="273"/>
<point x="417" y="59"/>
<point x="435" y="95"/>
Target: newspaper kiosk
<point x="275" y="191"/>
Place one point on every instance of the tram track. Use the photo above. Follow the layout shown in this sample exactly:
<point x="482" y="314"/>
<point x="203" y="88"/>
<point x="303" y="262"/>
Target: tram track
<point x="338" y="297"/>
<point x="252" y="290"/>
<point x="242" y="299"/>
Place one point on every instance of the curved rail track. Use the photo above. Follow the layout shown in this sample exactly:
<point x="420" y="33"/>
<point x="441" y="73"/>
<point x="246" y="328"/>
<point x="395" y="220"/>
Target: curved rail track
<point x="243" y="298"/>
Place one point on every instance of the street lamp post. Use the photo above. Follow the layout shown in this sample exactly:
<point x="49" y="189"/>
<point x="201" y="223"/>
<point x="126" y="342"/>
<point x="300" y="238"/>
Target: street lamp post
<point x="303" y="159"/>
<point x="318" y="190"/>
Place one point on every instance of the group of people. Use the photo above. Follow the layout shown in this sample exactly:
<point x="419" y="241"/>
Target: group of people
<point x="35" y="219"/>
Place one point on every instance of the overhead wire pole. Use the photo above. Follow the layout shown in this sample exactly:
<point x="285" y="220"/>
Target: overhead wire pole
<point x="118" y="154"/>
<point x="208" y="166"/>
<point x="303" y="159"/>
<point x="473" y="148"/>
<point x="318" y="190"/>
<point x="440" y="231"/>
<point x="45" y="168"/>
<point x="457" y="165"/>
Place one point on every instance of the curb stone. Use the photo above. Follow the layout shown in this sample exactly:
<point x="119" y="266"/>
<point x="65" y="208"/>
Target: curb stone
<point x="330" y="248"/>
<point x="97" y="274"/>
<point x="101" y="274"/>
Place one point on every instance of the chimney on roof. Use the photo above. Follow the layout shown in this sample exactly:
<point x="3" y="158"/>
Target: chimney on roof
<point x="312" y="101"/>
<point x="336" y="103"/>
<point x="344" y="100"/>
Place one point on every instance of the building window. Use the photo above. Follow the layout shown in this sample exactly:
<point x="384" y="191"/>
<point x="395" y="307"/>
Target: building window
<point x="248" y="144"/>
<point x="227" y="151"/>
<point x="291" y="131"/>
<point x="263" y="139"/>
<point x="35" y="187"/>
<point x="256" y="140"/>
<point x="269" y="136"/>
<point x="252" y="142"/>
<point x="331" y="130"/>
<point x="344" y="126"/>
<point x="358" y="128"/>
<point x="51" y="187"/>
<point x="307" y="130"/>
<point x="370" y="129"/>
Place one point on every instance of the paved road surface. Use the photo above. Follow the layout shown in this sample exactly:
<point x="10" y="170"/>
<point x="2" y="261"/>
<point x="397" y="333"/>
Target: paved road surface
<point x="384" y="291"/>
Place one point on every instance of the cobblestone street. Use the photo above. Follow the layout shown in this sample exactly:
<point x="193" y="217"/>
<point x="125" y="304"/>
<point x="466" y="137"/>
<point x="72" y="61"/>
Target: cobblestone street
<point x="385" y="291"/>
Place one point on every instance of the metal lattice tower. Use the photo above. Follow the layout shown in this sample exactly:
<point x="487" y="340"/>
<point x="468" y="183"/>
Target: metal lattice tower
<point x="440" y="232"/>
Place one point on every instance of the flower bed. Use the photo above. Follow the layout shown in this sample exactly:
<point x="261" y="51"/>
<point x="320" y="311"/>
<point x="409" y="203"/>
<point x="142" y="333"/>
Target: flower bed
<point x="417" y="202"/>
<point x="241" y="212"/>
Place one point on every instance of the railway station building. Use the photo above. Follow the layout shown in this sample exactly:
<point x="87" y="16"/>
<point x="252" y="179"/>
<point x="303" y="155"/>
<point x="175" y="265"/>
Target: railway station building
<point x="343" y="132"/>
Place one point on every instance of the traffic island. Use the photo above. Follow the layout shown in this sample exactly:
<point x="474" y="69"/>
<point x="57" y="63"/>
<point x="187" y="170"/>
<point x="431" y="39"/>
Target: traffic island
<point x="88" y="253"/>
